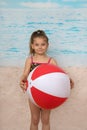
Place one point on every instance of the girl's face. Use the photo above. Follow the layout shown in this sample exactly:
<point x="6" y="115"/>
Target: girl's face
<point x="40" y="45"/>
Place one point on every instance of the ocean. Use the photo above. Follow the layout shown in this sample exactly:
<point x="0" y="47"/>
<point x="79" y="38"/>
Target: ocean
<point x="65" y="27"/>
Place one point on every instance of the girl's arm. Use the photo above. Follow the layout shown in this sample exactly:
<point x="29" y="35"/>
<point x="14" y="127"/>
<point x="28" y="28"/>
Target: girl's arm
<point x="71" y="83"/>
<point x="25" y="74"/>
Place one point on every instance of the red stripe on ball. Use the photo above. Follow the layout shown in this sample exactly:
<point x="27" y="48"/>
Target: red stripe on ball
<point x="45" y="69"/>
<point x="46" y="101"/>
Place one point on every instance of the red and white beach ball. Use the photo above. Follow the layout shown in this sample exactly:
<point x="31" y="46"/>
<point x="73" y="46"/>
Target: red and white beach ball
<point x="48" y="86"/>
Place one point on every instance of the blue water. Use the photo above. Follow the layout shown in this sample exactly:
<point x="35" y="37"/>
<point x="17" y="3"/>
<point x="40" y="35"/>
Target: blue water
<point x="65" y="27"/>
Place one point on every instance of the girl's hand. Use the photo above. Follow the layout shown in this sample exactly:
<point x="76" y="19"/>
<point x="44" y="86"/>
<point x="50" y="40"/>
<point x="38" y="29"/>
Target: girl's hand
<point x="71" y="83"/>
<point x="23" y="85"/>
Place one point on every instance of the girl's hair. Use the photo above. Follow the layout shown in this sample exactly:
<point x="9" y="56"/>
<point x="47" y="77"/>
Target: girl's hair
<point x="38" y="33"/>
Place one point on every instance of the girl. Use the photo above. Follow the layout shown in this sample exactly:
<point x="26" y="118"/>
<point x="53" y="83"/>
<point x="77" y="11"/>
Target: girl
<point x="38" y="48"/>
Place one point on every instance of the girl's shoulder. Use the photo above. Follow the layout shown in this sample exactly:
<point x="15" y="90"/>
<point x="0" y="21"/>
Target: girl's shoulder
<point x="53" y="61"/>
<point x="28" y="60"/>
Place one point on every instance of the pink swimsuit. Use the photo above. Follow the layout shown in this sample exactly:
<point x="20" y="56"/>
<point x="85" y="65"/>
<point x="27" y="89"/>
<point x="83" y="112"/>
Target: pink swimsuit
<point x="35" y="64"/>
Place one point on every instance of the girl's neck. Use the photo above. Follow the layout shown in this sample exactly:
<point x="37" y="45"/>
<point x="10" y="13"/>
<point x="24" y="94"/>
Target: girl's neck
<point x="39" y="56"/>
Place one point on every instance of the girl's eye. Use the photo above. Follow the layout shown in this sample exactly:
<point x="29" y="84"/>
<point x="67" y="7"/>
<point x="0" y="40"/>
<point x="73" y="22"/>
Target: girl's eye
<point x="36" y="44"/>
<point x="43" y="44"/>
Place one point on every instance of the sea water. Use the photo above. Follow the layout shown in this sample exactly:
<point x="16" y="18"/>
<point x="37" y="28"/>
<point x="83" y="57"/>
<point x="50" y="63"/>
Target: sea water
<point x="65" y="27"/>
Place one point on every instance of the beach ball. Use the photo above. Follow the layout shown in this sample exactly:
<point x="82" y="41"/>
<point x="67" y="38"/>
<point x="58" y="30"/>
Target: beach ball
<point x="48" y="86"/>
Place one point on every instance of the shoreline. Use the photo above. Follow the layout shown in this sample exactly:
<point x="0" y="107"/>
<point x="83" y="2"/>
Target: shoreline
<point x="14" y="108"/>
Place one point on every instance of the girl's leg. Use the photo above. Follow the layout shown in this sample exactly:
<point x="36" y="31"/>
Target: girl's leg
<point x="45" y="118"/>
<point x="35" y="116"/>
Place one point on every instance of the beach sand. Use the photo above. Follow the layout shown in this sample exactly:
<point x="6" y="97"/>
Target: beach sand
<point x="14" y="108"/>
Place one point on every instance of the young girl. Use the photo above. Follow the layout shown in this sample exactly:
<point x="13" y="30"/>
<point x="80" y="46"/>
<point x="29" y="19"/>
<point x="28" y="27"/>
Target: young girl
<point x="38" y="48"/>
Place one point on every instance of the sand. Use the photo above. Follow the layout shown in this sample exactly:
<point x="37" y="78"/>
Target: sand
<point x="14" y="108"/>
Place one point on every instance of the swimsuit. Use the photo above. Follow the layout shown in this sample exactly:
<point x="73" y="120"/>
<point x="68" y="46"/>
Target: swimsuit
<point x="35" y="64"/>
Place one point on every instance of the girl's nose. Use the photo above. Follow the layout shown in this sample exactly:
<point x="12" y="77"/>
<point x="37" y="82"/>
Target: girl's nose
<point x="40" y="46"/>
